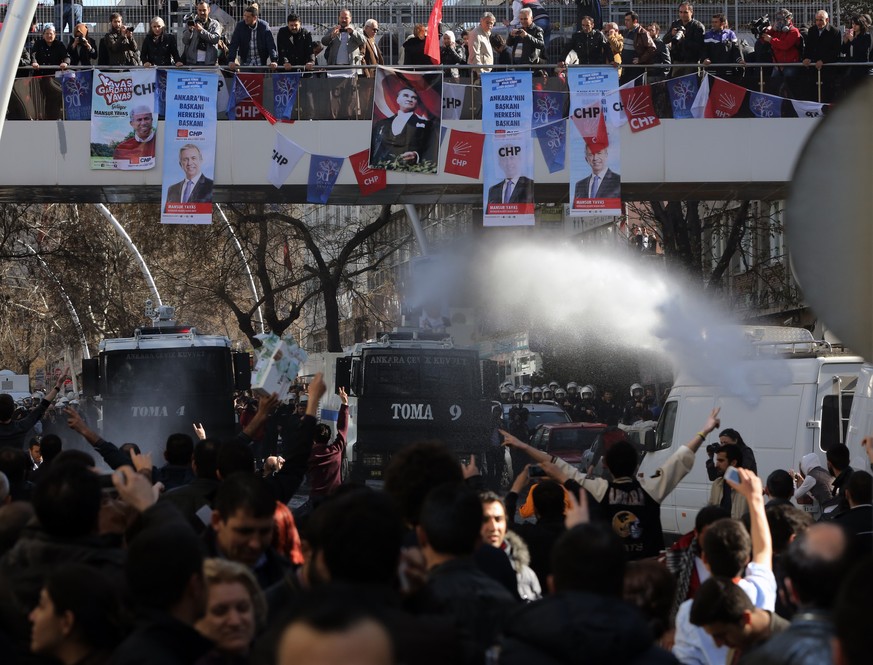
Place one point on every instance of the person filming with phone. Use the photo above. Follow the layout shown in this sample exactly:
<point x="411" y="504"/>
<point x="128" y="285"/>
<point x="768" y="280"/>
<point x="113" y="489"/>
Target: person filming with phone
<point x="728" y="458"/>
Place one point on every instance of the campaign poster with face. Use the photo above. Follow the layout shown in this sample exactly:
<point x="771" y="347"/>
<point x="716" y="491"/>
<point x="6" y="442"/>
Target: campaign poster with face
<point x="124" y="120"/>
<point x="595" y="156"/>
<point x="189" y="147"/>
<point x="406" y="121"/>
<point x="508" y="157"/>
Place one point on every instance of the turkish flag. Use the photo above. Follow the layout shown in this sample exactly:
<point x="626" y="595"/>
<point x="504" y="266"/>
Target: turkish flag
<point x="725" y="99"/>
<point x="464" y="155"/>
<point x="369" y="180"/>
<point x="432" y="41"/>
<point x="639" y="108"/>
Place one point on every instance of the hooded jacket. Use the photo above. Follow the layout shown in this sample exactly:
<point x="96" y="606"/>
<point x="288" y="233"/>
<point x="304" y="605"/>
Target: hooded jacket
<point x="576" y="627"/>
<point x="519" y="556"/>
<point x="818" y="482"/>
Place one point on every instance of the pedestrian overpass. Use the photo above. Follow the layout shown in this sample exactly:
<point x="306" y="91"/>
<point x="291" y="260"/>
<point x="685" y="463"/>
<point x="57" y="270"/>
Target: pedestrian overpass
<point x="717" y="159"/>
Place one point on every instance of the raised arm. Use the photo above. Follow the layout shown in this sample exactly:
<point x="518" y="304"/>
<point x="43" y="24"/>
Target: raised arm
<point x="762" y="542"/>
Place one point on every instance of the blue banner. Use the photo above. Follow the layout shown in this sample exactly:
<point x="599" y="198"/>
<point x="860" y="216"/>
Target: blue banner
<point x="236" y="92"/>
<point x="682" y="92"/>
<point x="508" y="154"/>
<point x="189" y="147"/>
<point x="323" y="172"/>
<point x="285" y="87"/>
<point x="161" y="93"/>
<point x="550" y="127"/>
<point x="765" y="106"/>
<point x="77" y="95"/>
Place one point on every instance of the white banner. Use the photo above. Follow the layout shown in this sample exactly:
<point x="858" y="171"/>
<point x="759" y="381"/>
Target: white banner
<point x="286" y="155"/>
<point x="453" y="100"/>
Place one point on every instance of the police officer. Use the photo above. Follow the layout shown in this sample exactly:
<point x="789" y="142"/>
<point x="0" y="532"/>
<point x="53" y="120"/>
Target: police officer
<point x="537" y="395"/>
<point x="586" y="410"/>
<point x="548" y="393"/>
<point x="634" y="408"/>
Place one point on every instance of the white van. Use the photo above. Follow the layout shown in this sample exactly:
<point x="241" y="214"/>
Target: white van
<point x="808" y="413"/>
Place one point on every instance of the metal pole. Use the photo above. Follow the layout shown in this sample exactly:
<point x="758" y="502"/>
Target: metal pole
<point x="69" y="303"/>
<point x="133" y="250"/>
<point x="245" y="263"/>
<point x="415" y="222"/>
<point x="16" y="27"/>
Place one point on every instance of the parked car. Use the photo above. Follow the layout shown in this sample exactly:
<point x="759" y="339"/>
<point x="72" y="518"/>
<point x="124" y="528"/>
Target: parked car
<point x="539" y="414"/>
<point x="569" y="441"/>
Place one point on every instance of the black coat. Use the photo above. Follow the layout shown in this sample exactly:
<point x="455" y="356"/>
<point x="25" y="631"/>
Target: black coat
<point x="574" y="627"/>
<point x="532" y="44"/>
<point x="824" y="46"/>
<point x="413" y="52"/>
<point x="80" y="55"/>
<point x="161" y="52"/>
<point x="591" y="48"/>
<point x="294" y="49"/>
<point x="163" y="640"/>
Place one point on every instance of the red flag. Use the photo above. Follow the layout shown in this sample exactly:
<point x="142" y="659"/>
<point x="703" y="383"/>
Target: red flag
<point x="600" y="140"/>
<point x="588" y="118"/>
<point x="639" y="108"/>
<point x="251" y="105"/>
<point x="432" y="41"/>
<point x="369" y="180"/>
<point x="725" y="99"/>
<point x="464" y="154"/>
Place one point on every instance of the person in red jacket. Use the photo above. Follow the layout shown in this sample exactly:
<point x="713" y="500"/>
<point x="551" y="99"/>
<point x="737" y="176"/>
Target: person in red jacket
<point x="785" y="40"/>
<point x="326" y="459"/>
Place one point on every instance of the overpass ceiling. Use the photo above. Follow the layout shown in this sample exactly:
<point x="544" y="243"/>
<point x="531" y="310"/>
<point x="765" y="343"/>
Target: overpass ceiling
<point x="393" y="194"/>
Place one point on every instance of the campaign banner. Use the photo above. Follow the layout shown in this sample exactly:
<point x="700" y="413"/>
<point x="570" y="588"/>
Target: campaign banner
<point x="682" y="92"/>
<point x="639" y="108"/>
<point x="464" y="154"/>
<point x="725" y="99"/>
<point x="595" y="157"/>
<point x="246" y="97"/>
<point x="285" y="156"/>
<point x="507" y="157"/>
<point x="453" y="100"/>
<point x="161" y="94"/>
<point x="76" y="88"/>
<point x="323" y="172"/>
<point x="369" y="180"/>
<point x="189" y="147"/>
<point x="550" y="126"/>
<point x="123" y="120"/>
<point x="763" y="105"/>
<point x="406" y="120"/>
<point x="285" y="88"/>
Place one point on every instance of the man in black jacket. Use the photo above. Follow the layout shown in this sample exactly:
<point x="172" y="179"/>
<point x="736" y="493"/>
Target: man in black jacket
<point x="526" y="42"/>
<point x="295" y="45"/>
<point x="685" y="39"/>
<point x="13" y="432"/>
<point x="821" y="47"/>
<point x="250" y="29"/>
<point x="589" y="44"/>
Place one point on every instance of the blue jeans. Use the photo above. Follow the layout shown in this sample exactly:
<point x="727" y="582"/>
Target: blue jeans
<point x="72" y="15"/>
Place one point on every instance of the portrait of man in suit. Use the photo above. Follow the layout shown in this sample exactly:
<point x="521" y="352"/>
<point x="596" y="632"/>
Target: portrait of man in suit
<point x="603" y="183"/>
<point x="514" y="188"/>
<point x="404" y="139"/>
<point x="196" y="187"/>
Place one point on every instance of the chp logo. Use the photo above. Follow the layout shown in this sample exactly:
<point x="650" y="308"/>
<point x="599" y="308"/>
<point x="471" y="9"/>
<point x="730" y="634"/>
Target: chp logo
<point x="188" y="133"/>
<point x="639" y="108"/>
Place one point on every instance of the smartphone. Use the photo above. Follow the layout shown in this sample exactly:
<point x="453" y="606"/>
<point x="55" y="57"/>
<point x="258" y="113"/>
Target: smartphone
<point x="732" y="474"/>
<point x="535" y="471"/>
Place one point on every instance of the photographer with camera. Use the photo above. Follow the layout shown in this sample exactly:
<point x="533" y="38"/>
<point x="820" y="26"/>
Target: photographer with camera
<point x="685" y="39"/>
<point x="82" y="49"/>
<point x="118" y="47"/>
<point x="526" y="42"/>
<point x="200" y="38"/>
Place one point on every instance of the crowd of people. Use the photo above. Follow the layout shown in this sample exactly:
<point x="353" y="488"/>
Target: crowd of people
<point x="584" y="405"/>
<point x="200" y="560"/>
<point x="805" y="57"/>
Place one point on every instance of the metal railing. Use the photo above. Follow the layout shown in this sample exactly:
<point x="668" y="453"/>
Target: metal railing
<point x="321" y="98"/>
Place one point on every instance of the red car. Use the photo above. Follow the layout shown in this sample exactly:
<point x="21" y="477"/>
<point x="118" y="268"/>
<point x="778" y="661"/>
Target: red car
<point x="569" y="441"/>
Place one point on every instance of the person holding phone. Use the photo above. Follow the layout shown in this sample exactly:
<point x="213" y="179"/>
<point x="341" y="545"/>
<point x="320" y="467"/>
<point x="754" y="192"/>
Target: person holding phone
<point x="728" y="458"/>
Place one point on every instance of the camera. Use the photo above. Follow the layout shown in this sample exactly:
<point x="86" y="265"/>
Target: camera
<point x="190" y="22"/>
<point x="680" y="33"/>
<point x="535" y="471"/>
<point x="759" y="26"/>
<point x="712" y="448"/>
